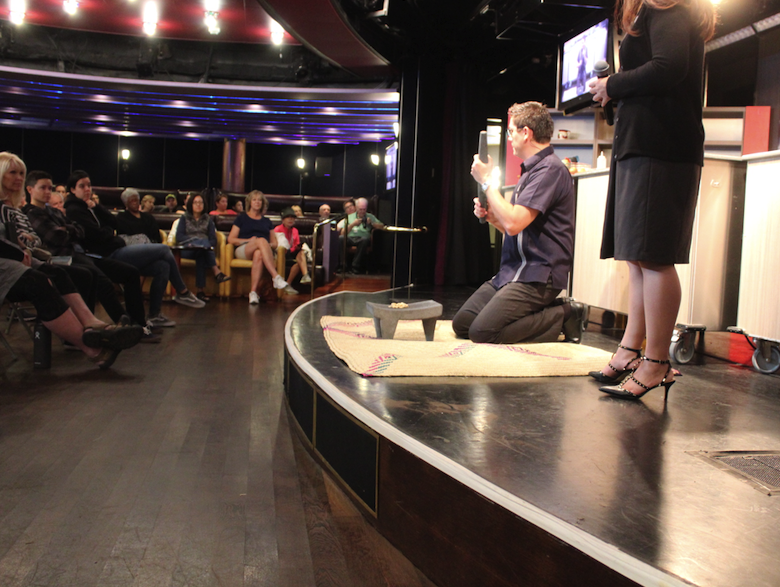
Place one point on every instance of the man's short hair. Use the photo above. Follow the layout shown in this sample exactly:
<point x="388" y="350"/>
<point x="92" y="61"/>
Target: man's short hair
<point x="34" y="177"/>
<point x="535" y="116"/>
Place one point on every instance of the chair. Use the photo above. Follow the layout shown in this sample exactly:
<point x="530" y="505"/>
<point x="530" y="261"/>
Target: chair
<point x="237" y="286"/>
<point x="212" y="288"/>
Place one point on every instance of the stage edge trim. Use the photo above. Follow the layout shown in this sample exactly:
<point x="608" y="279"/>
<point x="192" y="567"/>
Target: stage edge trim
<point x="603" y="552"/>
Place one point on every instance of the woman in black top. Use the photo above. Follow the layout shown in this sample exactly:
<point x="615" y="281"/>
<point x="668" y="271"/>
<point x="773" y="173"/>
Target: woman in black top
<point x="658" y="152"/>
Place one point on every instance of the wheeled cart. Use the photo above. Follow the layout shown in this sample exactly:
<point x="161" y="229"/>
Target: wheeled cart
<point x="709" y="283"/>
<point x="758" y="315"/>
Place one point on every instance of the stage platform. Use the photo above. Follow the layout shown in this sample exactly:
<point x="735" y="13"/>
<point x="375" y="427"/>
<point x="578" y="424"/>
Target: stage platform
<point x="544" y="481"/>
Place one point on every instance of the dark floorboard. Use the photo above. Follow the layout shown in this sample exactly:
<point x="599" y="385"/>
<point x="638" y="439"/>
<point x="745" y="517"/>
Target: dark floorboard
<point x="176" y="467"/>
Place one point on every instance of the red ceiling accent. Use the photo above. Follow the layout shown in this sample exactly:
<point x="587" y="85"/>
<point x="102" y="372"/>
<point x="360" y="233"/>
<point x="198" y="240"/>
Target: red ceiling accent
<point x="319" y="26"/>
<point x="241" y="21"/>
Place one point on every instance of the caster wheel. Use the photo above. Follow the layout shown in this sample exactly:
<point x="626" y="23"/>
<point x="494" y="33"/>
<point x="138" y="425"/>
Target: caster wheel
<point x="763" y="365"/>
<point x="683" y="348"/>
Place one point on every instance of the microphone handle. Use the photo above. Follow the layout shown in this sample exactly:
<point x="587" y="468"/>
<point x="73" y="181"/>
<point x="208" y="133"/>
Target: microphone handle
<point x="609" y="113"/>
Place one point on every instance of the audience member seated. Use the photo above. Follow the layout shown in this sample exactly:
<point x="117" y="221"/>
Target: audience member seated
<point x="19" y="230"/>
<point x="238" y="207"/>
<point x="349" y="208"/>
<point x="132" y="221"/>
<point x="57" y="200"/>
<point x="196" y="229"/>
<point x="253" y="236"/>
<point x="62" y="238"/>
<point x="222" y="209"/>
<point x="96" y="198"/>
<point x="60" y="308"/>
<point x="324" y="212"/>
<point x="154" y="260"/>
<point x="171" y="206"/>
<point x="287" y="237"/>
<point x="360" y="225"/>
<point x="297" y="210"/>
<point x="147" y="204"/>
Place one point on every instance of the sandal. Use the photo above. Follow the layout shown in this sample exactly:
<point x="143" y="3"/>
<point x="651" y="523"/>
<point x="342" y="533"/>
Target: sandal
<point x="620" y="374"/>
<point x="618" y="391"/>
<point x="115" y="337"/>
<point x="203" y="297"/>
<point x="105" y="359"/>
<point x="221" y="277"/>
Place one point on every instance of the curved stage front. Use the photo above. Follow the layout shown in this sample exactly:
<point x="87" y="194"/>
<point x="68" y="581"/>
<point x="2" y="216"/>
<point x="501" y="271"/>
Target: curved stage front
<point x="541" y="481"/>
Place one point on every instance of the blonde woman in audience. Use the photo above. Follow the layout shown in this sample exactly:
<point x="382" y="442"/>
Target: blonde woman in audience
<point x="57" y="201"/>
<point x="253" y="236"/>
<point x="147" y="204"/>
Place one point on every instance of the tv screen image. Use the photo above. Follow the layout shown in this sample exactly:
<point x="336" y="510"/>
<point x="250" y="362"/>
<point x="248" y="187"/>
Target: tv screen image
<point x="579" y="56"/>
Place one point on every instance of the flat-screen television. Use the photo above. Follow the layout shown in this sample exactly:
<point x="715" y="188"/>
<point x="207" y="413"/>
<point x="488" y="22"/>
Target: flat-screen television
<point x="577" y="57"/>
<point x="391" y="161"/>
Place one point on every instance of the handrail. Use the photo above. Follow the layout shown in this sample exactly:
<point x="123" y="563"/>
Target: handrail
<point x="412" y="230"/>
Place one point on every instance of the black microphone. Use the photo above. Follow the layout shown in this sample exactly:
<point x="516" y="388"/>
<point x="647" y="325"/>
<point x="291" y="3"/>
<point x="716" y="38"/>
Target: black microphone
<point x="601" y="69"/>
<point x="483" y="156"/>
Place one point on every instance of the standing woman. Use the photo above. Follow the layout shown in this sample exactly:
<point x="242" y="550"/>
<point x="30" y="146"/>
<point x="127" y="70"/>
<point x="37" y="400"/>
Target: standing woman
<point x="196" y="229"/>
<point x="658" y="153"/>
<point x="253" y="236"/>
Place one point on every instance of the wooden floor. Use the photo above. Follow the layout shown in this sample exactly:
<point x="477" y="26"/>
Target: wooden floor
<point x="176" y="467"/>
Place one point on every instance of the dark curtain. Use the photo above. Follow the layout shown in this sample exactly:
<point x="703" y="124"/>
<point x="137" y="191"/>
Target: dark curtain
<point x="463" y="248"/>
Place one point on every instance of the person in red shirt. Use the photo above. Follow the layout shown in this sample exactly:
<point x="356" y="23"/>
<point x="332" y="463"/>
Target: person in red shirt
<point x="295" y="251"/>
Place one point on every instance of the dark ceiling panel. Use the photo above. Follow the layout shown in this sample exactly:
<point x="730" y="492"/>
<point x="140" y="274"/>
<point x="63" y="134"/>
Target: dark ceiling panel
<point x="324" y="30"/>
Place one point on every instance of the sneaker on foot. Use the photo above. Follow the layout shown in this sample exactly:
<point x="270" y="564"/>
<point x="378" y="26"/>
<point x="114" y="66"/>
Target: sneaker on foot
<point x="290" y="290"/>
<point x="279" y="283"/>
<point x="160" y="321"/>
<point x="150" y="337"/>
<point x="306" y="278"/>
<point x="188" y="299"/>
<point x="254" y="299"/>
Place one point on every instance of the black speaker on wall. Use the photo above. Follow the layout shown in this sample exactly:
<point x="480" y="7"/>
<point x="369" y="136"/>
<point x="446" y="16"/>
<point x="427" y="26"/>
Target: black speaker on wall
<point x="323" y="166"/>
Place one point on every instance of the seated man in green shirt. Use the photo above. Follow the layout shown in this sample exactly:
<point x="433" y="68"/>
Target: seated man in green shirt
<point x="357" y="231"/>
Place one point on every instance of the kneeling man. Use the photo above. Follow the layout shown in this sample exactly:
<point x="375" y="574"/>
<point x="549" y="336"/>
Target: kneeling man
<point x="519" y="303"/>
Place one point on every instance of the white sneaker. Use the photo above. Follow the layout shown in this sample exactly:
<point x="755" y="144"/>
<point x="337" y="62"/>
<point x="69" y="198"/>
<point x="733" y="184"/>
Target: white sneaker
<point x="160" y="321"/>
<point x="290" y="290"/>
<point x="306" y="278"/>
<point x="188" y="299"/>
<point x="254" y="299"/>
<point x="279" y="283"/>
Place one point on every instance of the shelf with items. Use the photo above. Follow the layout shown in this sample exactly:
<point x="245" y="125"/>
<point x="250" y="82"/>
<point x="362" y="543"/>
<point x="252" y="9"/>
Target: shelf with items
<point x="589" y="135"/>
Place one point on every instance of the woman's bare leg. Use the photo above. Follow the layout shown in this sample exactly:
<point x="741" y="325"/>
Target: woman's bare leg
<point x="70" y="328"/>
<point x="634" y="335"/>
<point x="81" y="312"/>
<point x="257" y="269"/>
<point x="662" y="302"/>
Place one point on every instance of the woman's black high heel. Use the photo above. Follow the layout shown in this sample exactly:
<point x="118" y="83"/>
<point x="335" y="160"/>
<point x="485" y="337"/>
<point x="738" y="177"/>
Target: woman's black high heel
<point x="618" y="391"/>
<point x="620" y="374"/>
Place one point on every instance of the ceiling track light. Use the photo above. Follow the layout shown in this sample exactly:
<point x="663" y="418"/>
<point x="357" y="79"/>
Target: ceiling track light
<point x="210" y="19"/>
<point x="70" y="6"/>
<point x="277" y="33"/>
<point x="150" y="17"/>
<point x="17" y="10"/>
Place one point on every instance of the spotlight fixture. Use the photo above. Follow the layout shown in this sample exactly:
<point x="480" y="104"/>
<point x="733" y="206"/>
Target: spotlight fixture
<point x="17" y="11"/>
<point x="301" y="163"/>
<point x="375" y="159"/>
<point x="70" y="6"/>
<point x="277" y="33"/>
<point x="150" y="16"/>
<point x="125" y="154"/>
<point x="211" y="16"/>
